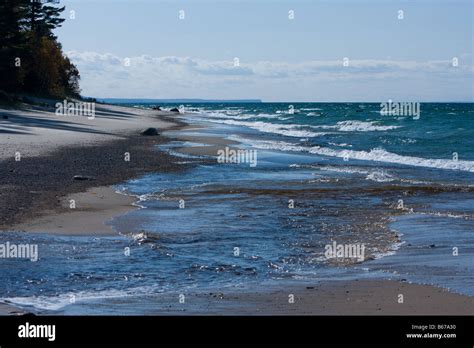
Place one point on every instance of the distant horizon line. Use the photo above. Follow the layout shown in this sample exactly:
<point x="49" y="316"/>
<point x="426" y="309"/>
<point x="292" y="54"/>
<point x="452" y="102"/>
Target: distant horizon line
<point x="199" y="100"/>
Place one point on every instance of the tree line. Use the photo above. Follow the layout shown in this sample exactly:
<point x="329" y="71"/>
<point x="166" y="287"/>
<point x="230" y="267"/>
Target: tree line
<point x="31" y="58"/>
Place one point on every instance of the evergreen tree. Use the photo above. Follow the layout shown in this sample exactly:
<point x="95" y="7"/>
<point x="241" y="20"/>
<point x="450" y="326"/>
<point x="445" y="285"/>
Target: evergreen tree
<point x="31" y="58"/>
<point x="43" y="18"/>
<point x="13" y="43"/>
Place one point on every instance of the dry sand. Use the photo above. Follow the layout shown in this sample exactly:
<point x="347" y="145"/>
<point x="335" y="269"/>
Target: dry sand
<point x="35" y="131"/>
<point x="56" y="148"/>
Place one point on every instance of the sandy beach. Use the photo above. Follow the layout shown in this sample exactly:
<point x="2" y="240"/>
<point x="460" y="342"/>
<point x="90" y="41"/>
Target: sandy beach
<point x="364" y="297"/>
<point x="237" y="169"/>
<point x="36" y="198"/>
<point x="93" y="209"/>
<point x="37" y="190"/>
<point x="37" y="130"/>
<point x="53" y="149"/>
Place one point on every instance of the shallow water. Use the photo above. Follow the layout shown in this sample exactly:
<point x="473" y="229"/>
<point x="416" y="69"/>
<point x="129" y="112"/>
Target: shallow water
<point x="226" y="226"/>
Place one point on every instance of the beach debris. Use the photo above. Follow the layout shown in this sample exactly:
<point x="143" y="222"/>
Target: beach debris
<point x="174" y="110"/>
<point x="83" y="178"/>
<point x="150" y="131"/>
<point x="157" y="107"/>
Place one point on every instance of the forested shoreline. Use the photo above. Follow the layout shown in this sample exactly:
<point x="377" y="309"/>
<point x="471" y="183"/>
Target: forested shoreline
<point x="32" y="61"/>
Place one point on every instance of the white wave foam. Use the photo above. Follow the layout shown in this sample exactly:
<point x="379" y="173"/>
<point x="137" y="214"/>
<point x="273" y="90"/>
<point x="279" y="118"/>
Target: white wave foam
<point x="447" y="215"/>
<point x="374" y="155"/>
<point x="286" y="112"/>
<point x="340" y="145"/>
<point x="239" y="114"/>
<point x="226" y="115"/>
<point x="374" y="175"/>
<point x="347" y="170"/>
<point x="54" y="303"/>
<point x="380" y="176"/>
<point x="291" y="130"/>
<point x="358" y="126"/>
<point x="381" y="155"/>
<point x="392" y="251"/>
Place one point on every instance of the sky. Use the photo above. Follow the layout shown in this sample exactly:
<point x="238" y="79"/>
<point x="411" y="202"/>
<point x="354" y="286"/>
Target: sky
<point x="298" y="50"/>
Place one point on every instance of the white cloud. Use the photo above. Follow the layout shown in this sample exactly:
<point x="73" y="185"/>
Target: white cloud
<point x="106" y="75"/>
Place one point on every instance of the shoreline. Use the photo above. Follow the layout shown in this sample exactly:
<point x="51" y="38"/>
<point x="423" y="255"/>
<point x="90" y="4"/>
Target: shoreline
<point x="47" y="210"/>
<point x="94" y="209"/>
<point x="7" y="309"/>
<point x="379" y="297"/>
<point x="40" y="183"/>
<point x="328" y="298"/>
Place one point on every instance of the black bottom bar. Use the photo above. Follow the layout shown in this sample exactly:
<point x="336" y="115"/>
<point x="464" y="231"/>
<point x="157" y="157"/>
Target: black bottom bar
<point x="414" y="330"/>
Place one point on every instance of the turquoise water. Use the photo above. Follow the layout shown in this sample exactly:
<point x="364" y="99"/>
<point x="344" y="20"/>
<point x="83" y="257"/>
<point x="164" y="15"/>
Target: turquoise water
<point x="441" y="129"/>
<point x="343" y="169"/>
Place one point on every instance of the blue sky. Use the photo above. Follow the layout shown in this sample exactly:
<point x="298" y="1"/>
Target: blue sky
<point x="279" y="59"/>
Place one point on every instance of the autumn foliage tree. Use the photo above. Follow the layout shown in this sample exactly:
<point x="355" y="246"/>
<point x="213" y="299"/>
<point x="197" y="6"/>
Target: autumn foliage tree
<point x="31" y="58"/>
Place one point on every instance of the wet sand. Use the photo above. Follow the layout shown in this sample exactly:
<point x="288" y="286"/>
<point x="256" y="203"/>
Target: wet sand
<point x="6" y="309"/>
<point x="355" y="298"/>
<point x="88" y="216"/>
<point x="36" y="194"/>
<point x="364" y="297"/>
<point x="39" y="184"/>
